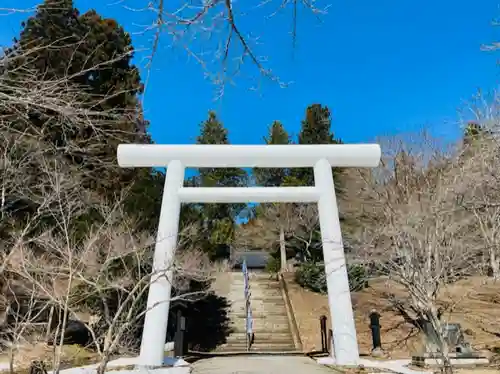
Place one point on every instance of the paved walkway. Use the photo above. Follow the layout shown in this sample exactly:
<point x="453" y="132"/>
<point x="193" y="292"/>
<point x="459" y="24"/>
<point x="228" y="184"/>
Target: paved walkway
<point x="259" y="365"/>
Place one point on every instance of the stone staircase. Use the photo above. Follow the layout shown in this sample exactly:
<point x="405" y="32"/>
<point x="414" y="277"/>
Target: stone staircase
<point x="270" y="319"/>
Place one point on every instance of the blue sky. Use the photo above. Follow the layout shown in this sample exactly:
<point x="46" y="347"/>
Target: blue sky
<point x="381" y="66"/>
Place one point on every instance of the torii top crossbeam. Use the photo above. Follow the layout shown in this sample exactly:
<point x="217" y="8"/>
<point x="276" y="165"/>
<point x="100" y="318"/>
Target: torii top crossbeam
<point x="249" y="156"/>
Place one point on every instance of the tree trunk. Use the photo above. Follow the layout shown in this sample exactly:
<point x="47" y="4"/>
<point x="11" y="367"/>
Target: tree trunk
<point x="283" y="249"/>
<point x="494" y="263"/>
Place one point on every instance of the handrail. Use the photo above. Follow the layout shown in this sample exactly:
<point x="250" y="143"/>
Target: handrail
<point x="248" y="309"/>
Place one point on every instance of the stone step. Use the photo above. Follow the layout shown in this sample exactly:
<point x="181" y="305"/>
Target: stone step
<point x="262" y="337"/>
<point x="258" y="298"/>
<point x="259" y="301"/>
<point x="241" y="345"/>
<point x="260" y="309"/>
<point x="263" y="296"/>
<point x="260" y="330"/>
<point x="262" y="282"/>
<point x="257" y="314"/>
<point x="256" y="348"/>
<point x="268" y="325"/>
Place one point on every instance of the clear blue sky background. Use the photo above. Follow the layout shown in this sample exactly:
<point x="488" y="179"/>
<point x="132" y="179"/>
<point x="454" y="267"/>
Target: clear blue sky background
<point x="381" y="66"/>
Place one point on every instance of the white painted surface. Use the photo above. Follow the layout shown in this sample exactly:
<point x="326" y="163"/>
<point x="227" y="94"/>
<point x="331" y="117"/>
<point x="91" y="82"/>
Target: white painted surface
<point x="156" y="318"/>
<point x="321" y="157"/>
<point x="248" y="194"/>
<point x="169" y="347"/>
<point x="339" y="295"/>
<point x="228" y="156"/>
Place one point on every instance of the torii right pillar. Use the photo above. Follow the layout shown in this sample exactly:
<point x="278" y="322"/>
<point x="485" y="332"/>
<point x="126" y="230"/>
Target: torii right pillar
<point x="345" y="342"/>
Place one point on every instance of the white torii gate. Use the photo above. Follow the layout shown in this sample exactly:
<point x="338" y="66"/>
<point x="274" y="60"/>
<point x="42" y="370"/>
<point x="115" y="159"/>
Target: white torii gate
<point x="321" y="157"/>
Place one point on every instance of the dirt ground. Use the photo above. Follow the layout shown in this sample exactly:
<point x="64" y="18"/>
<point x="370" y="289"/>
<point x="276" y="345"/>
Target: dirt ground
<point x="477" y="310"/>
<point x="71" y="355"/>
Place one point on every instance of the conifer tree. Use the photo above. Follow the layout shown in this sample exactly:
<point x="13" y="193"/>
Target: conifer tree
<point x="219" y="219"/>
<point x="275" y="214"/>
<point x="92" y="56"/>
<point x="315" y="129"/>
<point x="270" y="177"/>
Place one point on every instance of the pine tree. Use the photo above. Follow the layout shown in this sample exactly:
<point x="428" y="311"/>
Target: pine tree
<point x="219" y="218"/>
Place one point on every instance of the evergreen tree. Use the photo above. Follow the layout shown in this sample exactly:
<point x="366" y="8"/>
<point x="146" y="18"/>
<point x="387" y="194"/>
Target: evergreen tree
<point x="93" y="54"/>
<point x="270" y="177"/>
<point x="315" y="129"/>
<point x="219" y="218"/>
<point x="91" y="51"/>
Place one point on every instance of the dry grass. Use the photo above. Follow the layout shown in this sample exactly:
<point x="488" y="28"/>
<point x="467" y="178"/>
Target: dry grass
<point x="71" y="356"/>
<point x="478" y="312"/>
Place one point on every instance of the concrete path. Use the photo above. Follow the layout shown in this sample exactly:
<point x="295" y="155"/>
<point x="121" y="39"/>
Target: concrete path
<point x="259" y="365"/>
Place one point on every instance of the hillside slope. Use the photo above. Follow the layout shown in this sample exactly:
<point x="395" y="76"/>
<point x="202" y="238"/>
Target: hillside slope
<point x="477" y="310"/>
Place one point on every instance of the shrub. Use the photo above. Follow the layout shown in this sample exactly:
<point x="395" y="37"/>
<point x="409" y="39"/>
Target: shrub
<point x="358" y="277"/>
<point x="312" y="276"/>
<point x="273" y="265"/>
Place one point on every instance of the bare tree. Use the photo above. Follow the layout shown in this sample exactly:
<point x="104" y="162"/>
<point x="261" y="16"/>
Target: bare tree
<point x="480" y="161"/>
<point x="415" y="229"/>
<point x="23" y="317"/>
<point x="215" y="34"/>
<point x="481" y="197"/>
<point x="221" y="36"/>
<point x="76" y="247"/>
<point x="278" y="223"/>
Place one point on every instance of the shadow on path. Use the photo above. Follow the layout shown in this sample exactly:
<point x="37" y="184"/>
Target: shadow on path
<point x="208" y="323"/>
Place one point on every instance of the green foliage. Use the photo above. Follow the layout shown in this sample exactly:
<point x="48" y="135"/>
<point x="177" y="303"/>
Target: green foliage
<point x="474" y="133"/>
<point x="270" y="177"/>
<point x="315" y="129"/>
<point x="89" y="57"/>
<point x="311" y="275"/>
<point x="273" y="265"/>
<point x="92" y="51"/>
<point x="358" y="277"/>
<point x="218" y="219"/>
<point x="94" y="54"/>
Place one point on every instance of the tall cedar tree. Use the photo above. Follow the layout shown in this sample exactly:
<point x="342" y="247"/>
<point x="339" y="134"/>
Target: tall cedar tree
<point x="270" y="177"/>
<point x="219" y="218"/>
<point x="315" y="129"/>
<point x="95" y="54"/>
